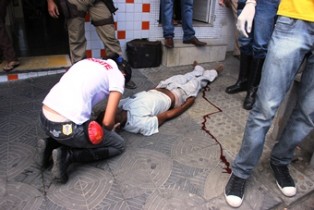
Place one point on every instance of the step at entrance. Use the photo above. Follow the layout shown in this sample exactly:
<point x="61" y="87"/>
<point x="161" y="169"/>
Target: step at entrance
<point x="185" y="54"/>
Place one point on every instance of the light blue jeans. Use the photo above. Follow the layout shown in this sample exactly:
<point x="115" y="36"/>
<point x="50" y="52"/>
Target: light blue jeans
<point x="265" y="16"/>
<point x="291" y="42"/>
<point x="187" y="18"/>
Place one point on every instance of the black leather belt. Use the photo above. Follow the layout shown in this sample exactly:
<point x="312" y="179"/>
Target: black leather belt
<point x="58" y="130"/>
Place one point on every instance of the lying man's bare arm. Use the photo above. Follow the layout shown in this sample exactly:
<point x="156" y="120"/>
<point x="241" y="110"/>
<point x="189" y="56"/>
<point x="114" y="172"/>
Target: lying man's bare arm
<point x="172" y="113"/>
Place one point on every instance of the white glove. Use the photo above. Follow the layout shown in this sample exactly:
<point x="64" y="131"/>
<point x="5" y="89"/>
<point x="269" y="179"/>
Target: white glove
<point x="245" y="19"/>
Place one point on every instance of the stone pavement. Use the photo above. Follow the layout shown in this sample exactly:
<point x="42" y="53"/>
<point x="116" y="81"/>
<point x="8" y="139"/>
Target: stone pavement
<point x="182" y="167"/>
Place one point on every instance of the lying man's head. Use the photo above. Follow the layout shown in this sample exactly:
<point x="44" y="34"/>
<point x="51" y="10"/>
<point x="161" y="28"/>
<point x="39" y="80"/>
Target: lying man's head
<point x="126" y="70"/>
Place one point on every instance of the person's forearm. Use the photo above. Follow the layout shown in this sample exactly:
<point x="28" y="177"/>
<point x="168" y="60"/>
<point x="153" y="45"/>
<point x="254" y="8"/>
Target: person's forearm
<point x="175" y="112"/>
<point x="179" y="110"/>
<point x="187" y="104"/>
<point x="113" y="100"/>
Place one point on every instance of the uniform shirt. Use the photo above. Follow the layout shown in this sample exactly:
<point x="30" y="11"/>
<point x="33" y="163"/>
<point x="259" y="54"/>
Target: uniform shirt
<point x="297" y="9"/>
<point x="142" y="110"/>
<point x="85" y="84"/>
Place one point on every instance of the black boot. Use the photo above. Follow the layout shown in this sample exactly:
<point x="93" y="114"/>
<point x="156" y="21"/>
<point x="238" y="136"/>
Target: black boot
<point x="241" y="84"/>
<point x="254" y="79"/>
<point x="44" y="150"/>
<point x="64" y="156"/>
<point x="250" y="98"/>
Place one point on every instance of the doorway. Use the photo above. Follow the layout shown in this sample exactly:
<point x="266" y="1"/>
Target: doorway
<point x="34" y="32"/>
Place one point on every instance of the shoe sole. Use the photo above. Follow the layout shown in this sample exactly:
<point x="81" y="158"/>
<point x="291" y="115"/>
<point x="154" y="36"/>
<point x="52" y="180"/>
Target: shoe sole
<point x="282" y="191"/>
<point x="231" y="204"/>
<point x="280" y="188"/>
<point x="56" y="172"/>
<point x="39" y="158"/>
<point x="234" y="92"/>
<point x="196" y="45"/>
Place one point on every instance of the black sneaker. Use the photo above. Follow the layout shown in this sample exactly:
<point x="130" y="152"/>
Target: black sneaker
<point x="43" y="152"/>
<point x="61" y="160"/>
<point x="234" y="190"/>
<point x="284" y="180"/>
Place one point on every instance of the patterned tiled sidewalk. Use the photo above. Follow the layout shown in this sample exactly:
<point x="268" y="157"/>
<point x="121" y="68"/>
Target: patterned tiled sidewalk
<point x="182" y="167"/>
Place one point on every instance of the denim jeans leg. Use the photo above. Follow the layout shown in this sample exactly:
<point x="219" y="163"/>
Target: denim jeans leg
<point x="284" y="57"/>
<point x="114" y="142"/>
<point x="264" y="21"/>
<point x="301" y="122"/>
<point x="245" y="42"/>
<point x="187" y="19"/>
<point x="166" y="7"/>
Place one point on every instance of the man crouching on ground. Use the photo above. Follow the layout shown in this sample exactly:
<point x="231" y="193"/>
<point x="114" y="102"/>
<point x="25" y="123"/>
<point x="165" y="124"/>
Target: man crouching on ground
<point x="66" y="116"/>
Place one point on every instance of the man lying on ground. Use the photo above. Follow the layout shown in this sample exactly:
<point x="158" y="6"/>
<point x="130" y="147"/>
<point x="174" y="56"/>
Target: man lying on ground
<point x="145" y="111"/>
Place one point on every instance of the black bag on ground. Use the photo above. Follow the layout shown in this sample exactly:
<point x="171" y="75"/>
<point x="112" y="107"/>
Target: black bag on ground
<point x="143" y="53"/>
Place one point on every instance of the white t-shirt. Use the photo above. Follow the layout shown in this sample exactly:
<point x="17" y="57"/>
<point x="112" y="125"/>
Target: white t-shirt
<point x="142" y="110"/>
<point x="85" y="84"/>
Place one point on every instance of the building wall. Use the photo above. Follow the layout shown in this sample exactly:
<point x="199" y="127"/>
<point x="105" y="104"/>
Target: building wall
<point x="139" y="19"/>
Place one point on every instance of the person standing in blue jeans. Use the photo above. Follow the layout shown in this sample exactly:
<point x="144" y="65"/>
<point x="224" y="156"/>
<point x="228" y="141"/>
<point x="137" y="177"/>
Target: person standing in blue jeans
<point x="187" y="23"/>
<point x="291" y="44"/>
<point x="253" y="46"/>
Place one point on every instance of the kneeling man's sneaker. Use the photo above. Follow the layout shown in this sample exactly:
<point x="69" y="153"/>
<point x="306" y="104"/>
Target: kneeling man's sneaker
<point x="234" y="191"/>
<point x="44" y="150"/>
<point x="61" y="160"/>
<point x="284" y="180"/>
